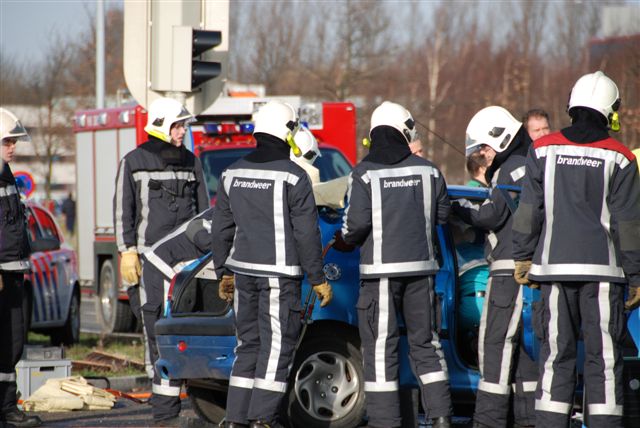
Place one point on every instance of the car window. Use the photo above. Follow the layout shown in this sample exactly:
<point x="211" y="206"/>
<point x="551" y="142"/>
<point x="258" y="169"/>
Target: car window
<point x="332" y="164"/>
<point x="47" y="225"/>
<point x="32" y="226"/>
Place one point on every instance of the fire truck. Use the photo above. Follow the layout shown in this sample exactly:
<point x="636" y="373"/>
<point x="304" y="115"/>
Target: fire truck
<point x="104" y="136"/>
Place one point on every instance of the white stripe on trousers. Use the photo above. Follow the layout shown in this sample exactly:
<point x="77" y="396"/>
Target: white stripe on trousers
<point x="383" y="331"/>
<point x="276" y="333"/>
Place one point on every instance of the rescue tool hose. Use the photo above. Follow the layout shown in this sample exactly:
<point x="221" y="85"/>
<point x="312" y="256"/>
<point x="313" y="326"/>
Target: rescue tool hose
<point x="439" y="137"/>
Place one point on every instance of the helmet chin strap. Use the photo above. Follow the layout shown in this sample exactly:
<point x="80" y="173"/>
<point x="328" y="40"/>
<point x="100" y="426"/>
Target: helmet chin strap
<point x="158" y="135"/>
<point x="614" y="121"/>
<point x="294" y="147"/>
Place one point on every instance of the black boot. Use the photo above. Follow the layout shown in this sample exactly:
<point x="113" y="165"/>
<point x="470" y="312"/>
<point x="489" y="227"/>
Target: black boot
<point x="18" y="418"/>
<point x="441" y="422"/>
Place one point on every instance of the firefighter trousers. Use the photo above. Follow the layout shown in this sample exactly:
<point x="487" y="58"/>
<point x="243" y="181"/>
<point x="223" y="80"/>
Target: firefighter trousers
<point x="165" y="393"/>
<point x="12" y="336"/>
<point x="507" y="374"/>
<point x="267" y="319"/>
<point x="597" y="308"/>
<point x="380" y="303"/>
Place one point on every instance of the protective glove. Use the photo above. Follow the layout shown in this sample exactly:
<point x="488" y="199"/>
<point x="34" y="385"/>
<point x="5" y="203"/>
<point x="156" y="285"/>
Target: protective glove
<point x="226" y="287"/>
<point x="340" y="245"/>
<point x="633" y="300"/>
<point x="324" y="293"/>
<point x="130" y="268"/>
<point x="521" y="274"/>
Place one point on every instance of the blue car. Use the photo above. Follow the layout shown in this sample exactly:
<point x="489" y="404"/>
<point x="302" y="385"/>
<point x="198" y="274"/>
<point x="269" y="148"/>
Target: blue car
<point x="196" y="339"/>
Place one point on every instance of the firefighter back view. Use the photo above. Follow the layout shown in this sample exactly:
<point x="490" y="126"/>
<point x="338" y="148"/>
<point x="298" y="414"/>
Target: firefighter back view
<point x="265" y="237"/>
<point x="577" y="233"/>
<point x="14" y="262"/>
<point x="507" y="373"/>
<point x="160" y="185"/>
<point x="396" y="200"/>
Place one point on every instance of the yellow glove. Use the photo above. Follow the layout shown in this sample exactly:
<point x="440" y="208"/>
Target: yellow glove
<point x="226" y="287"/>
<point x="324" y="293"/>
<point x="130" y="268"/>
<point x="633" y="299"/>
<point x="521" y="274"/>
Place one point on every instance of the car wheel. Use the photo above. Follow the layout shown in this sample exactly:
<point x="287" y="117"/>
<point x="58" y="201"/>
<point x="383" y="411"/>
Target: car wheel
<point x="326" y="388"/>
<point x="209" y="404"/>
<point x="70" y="332"/>
<point x="113" y="315"/>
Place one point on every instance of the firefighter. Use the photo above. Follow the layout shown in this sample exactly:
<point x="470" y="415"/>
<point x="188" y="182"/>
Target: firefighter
<point x="308" y="154"/>
<point x="159" y="186"/>
<point x="164" y="259"/>
<point x="14" y="262"/>
<point x="265" y="236"/>
<point x="504" y="365"/>
<point x="395" y="202"/>
<point x="577" y="235"/>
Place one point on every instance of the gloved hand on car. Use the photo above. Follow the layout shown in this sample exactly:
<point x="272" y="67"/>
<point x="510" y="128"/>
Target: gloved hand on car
<point x="339" y="244"/>
<point x="521" y="274"/>
<point x="633" y="299"/>
<point x="130" y="267"/>
<point x="226" y="287"/>
<point x="324" y="293"/>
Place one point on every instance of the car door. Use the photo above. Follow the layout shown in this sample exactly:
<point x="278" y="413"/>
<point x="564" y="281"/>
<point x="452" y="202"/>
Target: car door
<point x="49" y="268"/>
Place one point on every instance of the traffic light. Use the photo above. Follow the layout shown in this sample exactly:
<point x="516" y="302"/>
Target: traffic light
<point x="201" y="71"/>
<point x="191" y="66"/>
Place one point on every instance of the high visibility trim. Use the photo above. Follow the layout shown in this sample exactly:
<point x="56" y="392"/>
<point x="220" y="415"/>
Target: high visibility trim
<point x="257" y="174"/>
<point x="435" y="339"/>
<point x="19" y="265"/>
<point x="345" y="228"/>
<point x="159" y="264"/>
<point x="381" y="386"/>
<point x="529" y="386"/>
<point x="573" y="269"/>
<point x="553" y="406"/>
<point x="505" y="264"/>
<point x="388" y="268"/>
<point x="252" y="267"/>
<point x="270" y="385"/>
<point x="483" y="328"/>
<point x="608" y="354"/>
<point x="8" y="377"/>
<point x="276" y="332"/>
<point x="8" y="190"/>
<point x="144" y="212"/>
<point x="509" y="340"/>
<point x="517" y="173"/>
<point x="166" y="390"/>
<point x="433" y="377"/>
<point x="383" y="332"/>
<point x="278" y="224"/>
<point x="119" y="226"/>
<point x="241" y="382"/>
<point x="145" y="176"/>
<point x="598" y="149"/>
<point x="605" y="409"/>
<point x="494" y="388"/>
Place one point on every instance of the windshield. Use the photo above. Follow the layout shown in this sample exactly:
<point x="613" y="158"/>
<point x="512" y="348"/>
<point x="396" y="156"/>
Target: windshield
<point x="332" y="165"/>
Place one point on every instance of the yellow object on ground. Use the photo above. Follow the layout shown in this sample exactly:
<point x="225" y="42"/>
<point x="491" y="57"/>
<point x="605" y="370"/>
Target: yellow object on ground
<point x="66" y="394"/>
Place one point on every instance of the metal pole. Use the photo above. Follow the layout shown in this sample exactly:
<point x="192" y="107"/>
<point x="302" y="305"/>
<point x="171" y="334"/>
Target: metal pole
<point x="100" y="54"/>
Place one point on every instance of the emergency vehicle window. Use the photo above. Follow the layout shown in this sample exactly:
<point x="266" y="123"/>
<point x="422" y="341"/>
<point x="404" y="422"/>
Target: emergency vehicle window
<point x="47" y="224"/>
<point x="32" y="226"/>
<point x="215" y="161"/>
<point x="332" y="164"/>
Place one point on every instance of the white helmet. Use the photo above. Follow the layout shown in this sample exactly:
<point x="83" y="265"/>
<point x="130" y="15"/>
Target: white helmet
<point x="276" y="118"/>
<point x="395" y="116"/>
<point x="163" y="113"/>
<point x="493" y="126"/>
<point x="308" y="146"/>
<point x="596" y="91"/>
<point x="10" y="126"/>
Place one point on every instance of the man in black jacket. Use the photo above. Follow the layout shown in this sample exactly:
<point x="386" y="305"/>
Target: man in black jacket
<point x="395" y="202"/>
<point x="504" y="365"/>
<point x="14" y="262"/>
<point x="265" y="238"/>
<point x="160" y="185"/>
<point x="577" y="234"/>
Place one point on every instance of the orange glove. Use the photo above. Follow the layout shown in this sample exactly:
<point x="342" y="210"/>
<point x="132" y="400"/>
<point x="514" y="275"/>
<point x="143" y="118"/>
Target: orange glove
<point x="324" y="293"/>
<point x="226" y="287"/>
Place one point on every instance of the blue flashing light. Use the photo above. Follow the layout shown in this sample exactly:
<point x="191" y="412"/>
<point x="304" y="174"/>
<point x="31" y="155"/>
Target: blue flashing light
<point x="247" y="128"/>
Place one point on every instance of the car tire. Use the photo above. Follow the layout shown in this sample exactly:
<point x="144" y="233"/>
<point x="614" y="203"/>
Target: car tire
<point x="69" y="333"/>
<point x="113" y="315"/>
<point x="209" y="404"/>
<point x="321" y="357"/>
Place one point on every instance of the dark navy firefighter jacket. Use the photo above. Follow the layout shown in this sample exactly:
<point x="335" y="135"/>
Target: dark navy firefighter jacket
<point x="14" y="243"/>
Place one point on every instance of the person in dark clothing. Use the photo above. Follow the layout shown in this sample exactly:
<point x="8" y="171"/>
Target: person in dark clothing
<point x="160" y="185"/>
<point x="502" y="360"/>
<point x="395" y="202"/>
<point x="14" y="262"/>
<point x="265" y="238"/>
<point x="69" y="211"/>
<point x="576" y="235"/>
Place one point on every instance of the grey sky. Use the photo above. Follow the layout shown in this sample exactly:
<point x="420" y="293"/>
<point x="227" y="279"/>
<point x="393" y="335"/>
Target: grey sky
<point x="26" y="25"/>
